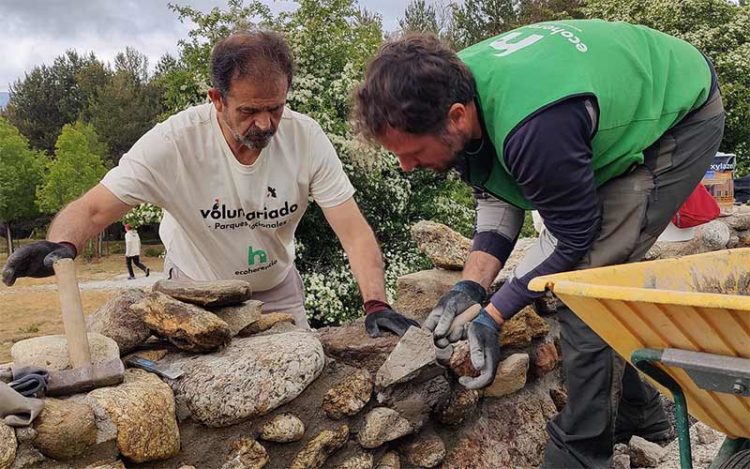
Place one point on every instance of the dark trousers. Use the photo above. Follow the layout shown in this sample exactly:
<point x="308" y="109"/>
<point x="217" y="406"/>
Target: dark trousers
<point x="130" y="260"/>
<point x="636" y="208"/>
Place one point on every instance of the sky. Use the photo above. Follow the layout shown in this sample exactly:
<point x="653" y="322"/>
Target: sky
<point x="34" y="32"/>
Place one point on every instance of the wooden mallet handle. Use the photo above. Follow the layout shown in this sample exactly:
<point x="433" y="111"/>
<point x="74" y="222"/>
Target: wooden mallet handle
<point x="72" y="313"/>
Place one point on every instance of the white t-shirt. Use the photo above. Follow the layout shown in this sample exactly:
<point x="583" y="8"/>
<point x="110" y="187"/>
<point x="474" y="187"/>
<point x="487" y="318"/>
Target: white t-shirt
<point x="225" y="220"/>
<point x="132" y="244"/>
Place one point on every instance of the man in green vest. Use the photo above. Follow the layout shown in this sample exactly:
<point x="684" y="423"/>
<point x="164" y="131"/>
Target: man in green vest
<point x="605" y="129"/>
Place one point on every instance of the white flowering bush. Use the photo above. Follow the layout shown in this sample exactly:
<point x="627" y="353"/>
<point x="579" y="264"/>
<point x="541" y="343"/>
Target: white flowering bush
<point x="143" y="214"/>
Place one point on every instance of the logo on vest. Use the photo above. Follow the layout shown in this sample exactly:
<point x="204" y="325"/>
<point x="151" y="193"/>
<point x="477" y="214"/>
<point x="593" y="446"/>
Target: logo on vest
<point x="257" y="257"/>
<point x="517" y="40"/>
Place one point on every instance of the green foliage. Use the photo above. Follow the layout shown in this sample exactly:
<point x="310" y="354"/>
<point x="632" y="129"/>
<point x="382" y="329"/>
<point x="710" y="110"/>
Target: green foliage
<point x="20" y="173"/>
<point x="77" y="167"/>
<point x="143" y="214"/>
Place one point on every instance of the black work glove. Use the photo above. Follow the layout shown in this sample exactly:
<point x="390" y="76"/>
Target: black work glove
<point x="483" y="334"/>
<point x="35" y="260"/>
<point x="380" y="315"/>
<point x="461" y="297"/>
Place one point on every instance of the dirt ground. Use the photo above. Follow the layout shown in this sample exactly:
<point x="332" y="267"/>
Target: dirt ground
<point x="30" y="308"/>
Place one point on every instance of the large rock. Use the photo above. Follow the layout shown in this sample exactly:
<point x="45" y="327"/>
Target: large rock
<point x="249" y="378"/>
<point x="143" y="410"/>
<point x="413" y="357"/>
<point x="418" y="293"/>
<point x="381" y="425"/>
<point x="317" y="450"/>
<point x="349" y="396"/>
<point x="446" y="248"/>
<point x="239" y="316"/>
<point x="284" y="428"/>
<point x="51" y="351"/>
<point x="115" y="320"/>
<point x="8" y="445"/>
<point x="424" y="450"/>
<point x="64" y="429"/>
<point x="522" y="328"/>
<point x="510" y="377"/>
<point x="351" y="345"/>
<point x="712" y="236"/>
<point x="187" y="326"/>
<point x="247" y="454"/>
<point x="644" y="453"/>
<point x="207" y="293"/>
<point x="509" y="432"/>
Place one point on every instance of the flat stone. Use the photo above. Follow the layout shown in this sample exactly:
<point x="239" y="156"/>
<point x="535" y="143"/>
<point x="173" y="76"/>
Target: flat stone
<point x="349" y="396"/>
<point x="8" y="445"/>
<point x="115" y="320"/>
<point x="64" y="429"/>
<point x="460" y="362"/>
<point x="316" y="451"/>
<point x="206" y="293"/>
<point x="643" y="453"/>
<point x="358" y="461"/>
<point x="424" y="450"/>
<point x="51" y="351"/>
<point x="187" y="326"/>
<point x="247" y="454"/>
<point x="418" y="293"/>
<point x="544" y="358"/>
<point x="446" y="248"/>
<point x="737" y="221"/>
<point x="153" y="355"/>
<point x="351" y="345"/>
<point x="266" y="322"/>
<point x="249" y="378"/>
<point x="522" y="328"/>
<point x="413" y="355"/>
<point x="143" y="410"/>
<point x="381" y="425"/>
<point x="389" y="461"/>
<point x="462" y="403"/>
<point x="510" y="377"/>
<point x="284" y="428"/>
<point x="239" y="316"/>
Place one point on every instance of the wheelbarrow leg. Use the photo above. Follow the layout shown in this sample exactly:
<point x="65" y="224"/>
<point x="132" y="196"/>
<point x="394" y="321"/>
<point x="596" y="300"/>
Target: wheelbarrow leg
<point x="644" y="360"/>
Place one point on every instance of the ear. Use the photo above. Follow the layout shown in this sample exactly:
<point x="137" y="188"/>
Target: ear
<point x="458" y="116"/>
<point x="216" y="98"/>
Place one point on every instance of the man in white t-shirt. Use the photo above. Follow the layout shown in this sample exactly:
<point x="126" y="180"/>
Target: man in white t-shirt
<point x="234" y="177"/>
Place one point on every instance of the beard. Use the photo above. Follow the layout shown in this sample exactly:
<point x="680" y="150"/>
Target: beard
<point x="455" y="144"/>
<point x="253" y="138"/>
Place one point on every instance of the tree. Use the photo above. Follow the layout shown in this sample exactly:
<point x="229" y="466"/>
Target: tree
<point x="419" y="17"/>
<point x="77" y="167"/>
<point x="20" y="173"/>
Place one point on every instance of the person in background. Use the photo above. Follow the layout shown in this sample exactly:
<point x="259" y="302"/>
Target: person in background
<point x="133" y="252"/>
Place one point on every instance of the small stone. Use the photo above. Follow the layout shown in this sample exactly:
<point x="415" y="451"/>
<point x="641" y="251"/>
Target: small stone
<point x="424" y="451"/>
<point x="265" y="322"/>
<point x="206" y="293"/>
<point x="389" y="461"/>
<point x="460" y="362"/>
<point x="238" y="317"/>
<point x="115" y="320"/>
<point x="620" y="461"/>
<point x="8" y="445"/>
<point x="559" y="398"/>
<point x="461" y="404"/>
<point x="510" y="377"/>
<point x="446" y="248"/>
<point x="349" y="396"/>
<point x="247" y="454"/>
<point x="284" y="428"/>
<point x="316" y="451"/>
<point x="715" y="235"/>
<point x="381" y="425"/>
<point x="522" y="328"/>
<point x="545" y="358"/>
<point x="51" y="351"/>
<point x="187" y="326"/>
<point x="705" y="434"/>
<point x="643" y="453"/>
<point x="153" y="355"/>
<point x="64" y="429"/>
<point x="358" y="461"/>
<point x="419" y="292"/>
<point x="414" y="355"/>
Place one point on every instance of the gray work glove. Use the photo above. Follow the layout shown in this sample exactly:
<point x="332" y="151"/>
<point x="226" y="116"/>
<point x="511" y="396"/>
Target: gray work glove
<point x="483" y="334"/>
<point x="461" y="297"/>
<point x="35" y="260"/>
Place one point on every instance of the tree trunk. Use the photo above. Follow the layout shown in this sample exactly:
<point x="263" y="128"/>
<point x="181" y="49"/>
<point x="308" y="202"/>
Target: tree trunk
<point x="9" y="238"/>
<point x="99" y="239"/>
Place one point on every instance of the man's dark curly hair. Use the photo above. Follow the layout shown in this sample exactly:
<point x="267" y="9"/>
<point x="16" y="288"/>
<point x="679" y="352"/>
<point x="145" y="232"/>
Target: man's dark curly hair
<point x="410" y="85"/>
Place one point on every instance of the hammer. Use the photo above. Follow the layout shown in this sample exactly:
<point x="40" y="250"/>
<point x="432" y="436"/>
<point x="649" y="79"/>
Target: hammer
<point x="83" y="375"/>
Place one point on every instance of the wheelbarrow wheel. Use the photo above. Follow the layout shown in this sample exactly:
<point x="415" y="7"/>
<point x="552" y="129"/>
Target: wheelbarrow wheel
<point x="740" y="460"/>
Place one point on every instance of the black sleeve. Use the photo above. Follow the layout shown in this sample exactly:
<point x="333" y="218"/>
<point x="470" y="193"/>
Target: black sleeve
<point x="550" y="157"/>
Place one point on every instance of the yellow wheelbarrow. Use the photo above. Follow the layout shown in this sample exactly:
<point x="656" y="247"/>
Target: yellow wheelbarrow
<point x="685" y="323"/>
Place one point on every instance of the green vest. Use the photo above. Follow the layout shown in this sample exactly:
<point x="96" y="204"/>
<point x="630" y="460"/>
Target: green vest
<point x="644" y="82"/>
